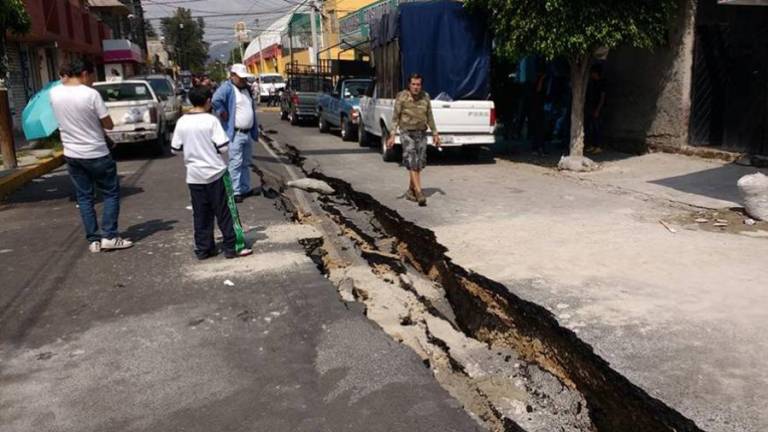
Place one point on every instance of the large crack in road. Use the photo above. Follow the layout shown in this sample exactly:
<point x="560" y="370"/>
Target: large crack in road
<point x="506" y="359"/>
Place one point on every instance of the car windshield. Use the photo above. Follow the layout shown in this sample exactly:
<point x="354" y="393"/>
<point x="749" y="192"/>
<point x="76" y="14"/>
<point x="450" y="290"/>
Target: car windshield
<point x="121" y="92"/>
<point x="161" y="86"/>
<point x="276" y="79"/>
<point x="355" y="88"/>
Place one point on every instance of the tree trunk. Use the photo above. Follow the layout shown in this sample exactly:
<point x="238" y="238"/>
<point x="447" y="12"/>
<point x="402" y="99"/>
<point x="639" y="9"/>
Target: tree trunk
<point x="6" y="134"/>
<point x="579" y="76"/>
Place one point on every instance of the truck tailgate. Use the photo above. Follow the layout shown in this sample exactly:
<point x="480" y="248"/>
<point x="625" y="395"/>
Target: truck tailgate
<point x="129" y="112"/>
<point x="464" y="117"/>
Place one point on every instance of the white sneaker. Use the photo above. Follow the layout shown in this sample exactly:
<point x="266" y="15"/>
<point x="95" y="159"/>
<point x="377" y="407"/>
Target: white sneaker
<point x="95" y="247"/>
<point x="115" y="243"/>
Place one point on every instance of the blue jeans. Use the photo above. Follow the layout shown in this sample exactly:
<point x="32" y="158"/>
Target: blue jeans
<point x="240" y="155"/>
<point x="101" y="173"/>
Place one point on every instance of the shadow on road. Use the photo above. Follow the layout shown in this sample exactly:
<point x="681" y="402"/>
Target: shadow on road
<point x="55" y="187"/>
<point x="148" y="228"/>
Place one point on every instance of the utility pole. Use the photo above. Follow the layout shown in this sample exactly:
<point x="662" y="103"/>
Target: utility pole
<point x="181" y="46"/>
<point x="313" y="25"/>
<point x="258" y="41"/>
<point x="290" y="39"/>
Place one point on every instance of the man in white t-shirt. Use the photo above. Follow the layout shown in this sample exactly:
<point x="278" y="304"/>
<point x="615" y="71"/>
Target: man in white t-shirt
<point x="204" y="143"/>
<point x="82" y="118"/>
<point x="234" y="103"/>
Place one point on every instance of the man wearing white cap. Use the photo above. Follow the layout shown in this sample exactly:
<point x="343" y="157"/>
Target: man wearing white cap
<point x="233" y="102"/>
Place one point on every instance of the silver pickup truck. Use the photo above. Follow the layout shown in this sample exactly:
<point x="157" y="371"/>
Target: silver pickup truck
<point x="137" y="113"/>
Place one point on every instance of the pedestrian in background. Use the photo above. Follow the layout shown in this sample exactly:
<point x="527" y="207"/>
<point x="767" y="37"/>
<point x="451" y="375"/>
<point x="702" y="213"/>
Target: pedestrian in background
<point x="234" y="103"/>
<point x="412" y="116"/>
<point x="204" y="143"/>
<point x="83" y="117"/>
<point x="593" y="109"/>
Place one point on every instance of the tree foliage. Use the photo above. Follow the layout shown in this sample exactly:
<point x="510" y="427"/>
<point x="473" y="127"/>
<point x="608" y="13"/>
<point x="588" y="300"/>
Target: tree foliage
<point x="149" y="29"/>
<point x="184" y="35"/>
<point x="575" y="28"/>
<point x="14" y="18"/>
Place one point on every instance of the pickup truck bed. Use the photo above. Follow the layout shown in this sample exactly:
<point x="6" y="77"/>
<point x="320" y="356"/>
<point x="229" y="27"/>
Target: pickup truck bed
<point x="465" y="123"/>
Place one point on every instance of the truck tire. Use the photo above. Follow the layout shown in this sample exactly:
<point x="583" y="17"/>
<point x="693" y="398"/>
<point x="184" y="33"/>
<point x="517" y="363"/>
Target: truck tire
<point x="387" y="155"/>
<point x="322" y="124"/>
<point x="347" y="129"/>
<point x="294" y="119"/>
<point x="161" y="144"/>
<point x="363" y="137"/>
<point x="471" y="153"/>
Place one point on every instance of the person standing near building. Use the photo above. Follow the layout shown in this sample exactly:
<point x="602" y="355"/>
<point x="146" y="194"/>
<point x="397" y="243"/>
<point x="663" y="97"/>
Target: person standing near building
<point x="234" y="103"/>
<point x="593" y="109"/>
<point x="412" y="116"/>
<point x="82" y="118"/>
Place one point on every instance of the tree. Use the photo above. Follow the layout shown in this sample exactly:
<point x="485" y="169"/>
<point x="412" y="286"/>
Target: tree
<point x="15" y="19"/>
<point x="149" y="29"/>
<point x="184" y="35"/>
<point x="575" y="29"/>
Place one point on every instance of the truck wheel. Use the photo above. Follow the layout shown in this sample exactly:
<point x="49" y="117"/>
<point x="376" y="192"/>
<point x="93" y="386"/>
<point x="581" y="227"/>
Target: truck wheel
<point x="471" y="153"/>
<point x="294" y="119"/>
<point x="161" y="145"/>
<point x="347" y="130"/>
<point x="322" y="124"/>
<point x="388" y="155"/>
<point x="363" y="138"/>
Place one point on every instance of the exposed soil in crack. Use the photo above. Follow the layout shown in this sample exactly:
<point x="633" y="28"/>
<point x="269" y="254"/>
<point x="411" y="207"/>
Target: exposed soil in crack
<point x="508" y="360"/>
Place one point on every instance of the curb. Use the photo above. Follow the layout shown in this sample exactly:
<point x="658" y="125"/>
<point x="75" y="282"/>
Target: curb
<point x="12" y="182"/>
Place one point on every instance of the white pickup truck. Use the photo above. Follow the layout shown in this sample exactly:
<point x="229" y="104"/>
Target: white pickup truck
<point x="468" y="124"/>
<point x="137" y="113"/>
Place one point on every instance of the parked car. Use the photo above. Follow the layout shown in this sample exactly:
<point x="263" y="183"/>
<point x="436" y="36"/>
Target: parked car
<point x="341" y="107"/>
<point x="270" y="85"/>
<point x="136" y="112"/>
<point x="299" y="100"/>
<point x="169" y="95"/>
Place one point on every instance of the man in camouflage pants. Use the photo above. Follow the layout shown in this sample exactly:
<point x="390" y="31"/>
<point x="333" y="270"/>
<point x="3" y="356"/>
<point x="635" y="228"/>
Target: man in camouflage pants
<point x="412" y="116"/>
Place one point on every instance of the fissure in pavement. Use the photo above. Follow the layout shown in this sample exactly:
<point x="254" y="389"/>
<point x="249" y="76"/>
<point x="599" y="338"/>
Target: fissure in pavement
<point x="536" y="348"/>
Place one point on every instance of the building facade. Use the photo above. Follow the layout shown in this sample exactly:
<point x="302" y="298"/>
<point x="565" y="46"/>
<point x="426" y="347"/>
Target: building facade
<point x="61" y="29"/>
<point x="707" y="88"/>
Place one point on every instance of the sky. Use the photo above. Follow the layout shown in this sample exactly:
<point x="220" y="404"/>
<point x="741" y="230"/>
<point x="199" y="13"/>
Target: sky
<point x="220" y="29"/>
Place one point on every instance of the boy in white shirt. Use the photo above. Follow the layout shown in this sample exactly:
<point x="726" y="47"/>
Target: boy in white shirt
<point x="204" y="143"/>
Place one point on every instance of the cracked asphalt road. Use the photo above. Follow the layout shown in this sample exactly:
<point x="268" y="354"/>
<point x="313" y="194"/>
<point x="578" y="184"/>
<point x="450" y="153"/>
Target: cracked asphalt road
<point x="149" y="339"/>
<point x="680" y="315"/>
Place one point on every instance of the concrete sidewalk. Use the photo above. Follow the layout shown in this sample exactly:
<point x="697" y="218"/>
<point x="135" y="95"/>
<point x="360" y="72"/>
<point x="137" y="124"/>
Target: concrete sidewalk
<point x="151" y="339"/>
<point x="691" y="180"/>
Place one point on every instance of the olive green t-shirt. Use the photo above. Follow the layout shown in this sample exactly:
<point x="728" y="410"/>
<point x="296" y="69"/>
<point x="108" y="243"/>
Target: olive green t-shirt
<point x="413" y="113"/>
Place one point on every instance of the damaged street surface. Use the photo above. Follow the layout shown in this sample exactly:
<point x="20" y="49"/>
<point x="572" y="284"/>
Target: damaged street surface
<point x="519" y="299"/>
<point x="630" y="299"/>
<point x="149" y="339"/>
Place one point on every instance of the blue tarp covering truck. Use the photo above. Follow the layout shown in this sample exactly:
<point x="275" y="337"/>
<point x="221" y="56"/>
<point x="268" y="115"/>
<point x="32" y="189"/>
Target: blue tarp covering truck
<point x="451" y="48"/>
